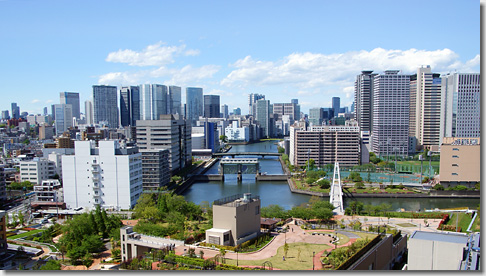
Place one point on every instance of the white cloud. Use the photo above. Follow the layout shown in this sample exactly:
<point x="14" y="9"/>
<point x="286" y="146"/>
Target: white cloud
<point x="153" y="55"/>
<point x="49" y="101"/>
<point x="311" y="70"/>
<point x="35" y="101"/>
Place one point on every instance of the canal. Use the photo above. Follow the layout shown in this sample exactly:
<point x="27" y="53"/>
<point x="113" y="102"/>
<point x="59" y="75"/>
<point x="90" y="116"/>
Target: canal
<point x="278" y="192"/>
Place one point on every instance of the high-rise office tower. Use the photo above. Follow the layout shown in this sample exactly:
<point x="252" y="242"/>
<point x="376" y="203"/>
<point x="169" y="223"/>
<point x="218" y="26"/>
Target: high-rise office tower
<point x="153" y="101"/>
<point x="291" y="109"/>
<point x="224" y="111"/>
<point x="252" y="99"/>
<point x="5" y="115"/>
<point x="391" y="109"/>
<point x="461" y="107"/>
<point x="129" y="105"/>
<point x="424" y="122"/>
<point x="15" y="111"/>
<point x="45" y="111"/>
<point x="174" y="100"/>
<point x="294" y="101"/>
<point x="194" y="104"/>
<point x="263" y="111"/>
<point x="236" y="111"/>
<point x="71" y="98"/>
<point x="170" y="132"/>
<point x="64" y="117"/>
<point x="363" y="100"/>
<point x="315" y="116"/>
<point x="336" y="105"/>
<point x="105" y="107"/>
<point x="211" y="106"/>
<point x="89" y="112"/>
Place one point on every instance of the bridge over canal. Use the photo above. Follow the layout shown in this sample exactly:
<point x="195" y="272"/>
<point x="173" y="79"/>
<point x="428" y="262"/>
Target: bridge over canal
<point x="233" y="154"/>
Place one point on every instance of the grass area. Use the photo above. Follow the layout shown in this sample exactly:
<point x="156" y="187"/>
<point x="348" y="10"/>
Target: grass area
<point x="406" y="224"/>
<point x="293" y="260"/>
<point x="26" y="234"/>
<point x="462" y="219"/>
<point x="417" y="163"/>
<point x="370" y="190"/>
<point x="370" y="236"/>
<point x="343" y="239"/>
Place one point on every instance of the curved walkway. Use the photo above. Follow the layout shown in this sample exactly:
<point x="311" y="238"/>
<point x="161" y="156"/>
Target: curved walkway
<point x="294" y="235"/>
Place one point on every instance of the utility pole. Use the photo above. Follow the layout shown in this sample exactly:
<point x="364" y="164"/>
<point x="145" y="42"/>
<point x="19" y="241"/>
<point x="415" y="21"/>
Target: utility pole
<point x="430" y="163"/>
<point x="421" y="158"/>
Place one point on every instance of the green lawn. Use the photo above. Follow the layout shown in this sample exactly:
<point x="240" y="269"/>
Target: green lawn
<point x="406" y="224"/>
<point x="293" y="261"/>
<point x="463" y="221"/>
<point x="26" y="234"/>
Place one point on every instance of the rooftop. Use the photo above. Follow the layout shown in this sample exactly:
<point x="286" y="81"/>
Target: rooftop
<point x="440" y="236"/>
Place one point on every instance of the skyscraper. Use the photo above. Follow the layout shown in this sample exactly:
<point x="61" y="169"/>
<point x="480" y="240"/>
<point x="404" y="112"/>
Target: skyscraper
<point x="105" y="105"/>
<point x="129" y="105"/>
<point x="153" y="101"/>
<point x="263" y="111"/>
<point x="71" y="98"/>
<point x="425" y="102"/>
<point x="5" y="115"/>
<point x="236" y="111"/>
<point x="15" y="111"/>
<point x="174" y="100"/>
<point x="211" y="106"/>
<point x="336" y="105"/>
<point x="315" y="116"/>
<point x="224" y="111"/>
<point x="45" y="111"/>
<point x="89" y="113"/>
<point x="461" y="108"/>
<point x="64" y="117"/>
<point x="291" y="109"/>
<point x="194" y="104"/>
<point x="391" y="103"/>
<point x="294" y="101"/>
<point x="252" y="99"/>
<point x="363" y="100"/>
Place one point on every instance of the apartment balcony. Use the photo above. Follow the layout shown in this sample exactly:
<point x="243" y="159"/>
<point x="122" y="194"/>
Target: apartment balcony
<point x="96" y="177"/>
<point x="95" y="165"/>
<point x="97" y="195"/>
<point x="95" y="169"/>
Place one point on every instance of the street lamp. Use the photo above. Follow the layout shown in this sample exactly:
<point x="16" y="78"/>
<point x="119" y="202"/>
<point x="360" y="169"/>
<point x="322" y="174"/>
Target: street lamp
<point x="421" y="158"/>
<point x="236" y="256"/>
<point x="430" y="162"/>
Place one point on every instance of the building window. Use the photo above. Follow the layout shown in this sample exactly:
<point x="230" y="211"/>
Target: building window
<point x="455" y="156"/>
<point x="226" y="237"/>
<point x="455" y="149"/>
<point x="454" y="173"/>
<point x="257" y="210"/>
<point x="455" y="165"/>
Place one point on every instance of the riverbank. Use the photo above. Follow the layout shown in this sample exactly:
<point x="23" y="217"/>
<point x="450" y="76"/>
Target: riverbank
<point x="430" y="194"/>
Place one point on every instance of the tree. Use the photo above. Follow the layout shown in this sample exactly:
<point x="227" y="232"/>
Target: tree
<point x="438" y="187"/>
<point x="201" y="254"/>
<point x="324" y="184"/>
<point x="286" y="249"/>
<point x="21" y="217"/>
<point x="116" y="253"/>
<point x="281" y="150"/>
<point x="359" y="185"/>
<point x="310" y="163"/>
<point x="87" y="260"/>
<point x="222" y="251"/>
<point x="51" y="265"/>
<point x="223" y="138"/>
<point x="274" y="211"/>
<point x="477" y="186"/>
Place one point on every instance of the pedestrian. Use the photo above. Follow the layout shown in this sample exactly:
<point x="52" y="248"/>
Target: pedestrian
<point x="283" y="258"/>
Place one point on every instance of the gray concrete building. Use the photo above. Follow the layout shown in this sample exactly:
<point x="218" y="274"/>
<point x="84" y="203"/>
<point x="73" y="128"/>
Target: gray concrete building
<point x="363" y="100"/>
<point x="171" y="132"/>
<point x="155" y="169"/>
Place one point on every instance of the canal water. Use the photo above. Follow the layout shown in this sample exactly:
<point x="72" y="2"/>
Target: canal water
<point x="278" y="192"/>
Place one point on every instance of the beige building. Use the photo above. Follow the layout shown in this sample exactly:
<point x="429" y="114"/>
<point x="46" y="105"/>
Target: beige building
<point x="236" y="219"/>
<point x="436" y="251"/>
<point x="326" y="145"/>
<point x="460" y="161"/>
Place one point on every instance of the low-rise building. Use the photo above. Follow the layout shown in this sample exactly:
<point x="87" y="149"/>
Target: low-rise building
<point x="460" y="161"/>
<point x="36" y="170"/>
<point x="3" y="233"/>
<point x="237" y="134"/>
<point x="236" y="219"/>
<point x="441" y="250"/>
<point x="48" y="194"/>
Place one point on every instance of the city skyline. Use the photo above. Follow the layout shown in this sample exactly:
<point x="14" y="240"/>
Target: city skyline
<point x="287" y="50"/>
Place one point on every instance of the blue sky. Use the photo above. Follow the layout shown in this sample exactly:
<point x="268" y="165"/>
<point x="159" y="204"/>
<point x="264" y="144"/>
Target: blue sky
<point x="310" y="50"/>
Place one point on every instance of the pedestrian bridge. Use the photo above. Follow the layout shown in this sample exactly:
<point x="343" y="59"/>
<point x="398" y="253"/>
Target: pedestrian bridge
<point x="233" y="154"/>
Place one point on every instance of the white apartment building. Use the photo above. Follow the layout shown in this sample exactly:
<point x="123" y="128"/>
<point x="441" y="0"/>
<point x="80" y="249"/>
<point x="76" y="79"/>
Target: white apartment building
<point x="108" y="175"/>
<point x="49" y="191"/>
<point x="237" y="134"/>
<point x="391" y="110"/>
<point x="461" y="106"/>
<point x="36" y="170"/>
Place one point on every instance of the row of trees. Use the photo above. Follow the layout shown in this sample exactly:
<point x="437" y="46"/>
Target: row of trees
<point x="358" y="208"/>
<point x="315" y="209"/>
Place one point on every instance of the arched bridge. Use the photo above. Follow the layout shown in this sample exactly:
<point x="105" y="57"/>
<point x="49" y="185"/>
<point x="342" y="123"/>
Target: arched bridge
<point x="233" y="154"/>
